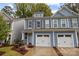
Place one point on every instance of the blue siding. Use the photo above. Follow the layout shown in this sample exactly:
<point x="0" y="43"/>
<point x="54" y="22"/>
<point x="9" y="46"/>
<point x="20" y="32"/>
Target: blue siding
<point x="70" y="23"/>
<point x="59" y="23"/>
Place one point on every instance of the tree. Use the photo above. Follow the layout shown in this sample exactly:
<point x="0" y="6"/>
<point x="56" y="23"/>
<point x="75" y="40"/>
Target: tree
<point x="44" y="8"/>
<point x="73" y="6"/>
<point x="8" y="10"/>
<point x="4" y="29"/>
<point x="28" y="9"/>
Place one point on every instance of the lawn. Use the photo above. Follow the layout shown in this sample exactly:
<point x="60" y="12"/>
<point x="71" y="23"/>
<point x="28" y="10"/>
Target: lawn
<point x="9" y="52"/>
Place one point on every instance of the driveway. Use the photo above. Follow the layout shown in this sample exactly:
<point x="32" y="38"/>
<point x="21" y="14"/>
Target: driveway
<point x="44" y="51"/>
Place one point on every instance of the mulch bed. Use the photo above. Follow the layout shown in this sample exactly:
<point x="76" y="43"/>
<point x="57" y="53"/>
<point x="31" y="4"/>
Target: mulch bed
<point x="1" y="53"/>
<point x="21" y="50"/>
<point x="30" y="45"/>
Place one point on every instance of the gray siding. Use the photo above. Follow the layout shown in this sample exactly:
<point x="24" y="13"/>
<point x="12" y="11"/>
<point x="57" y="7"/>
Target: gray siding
<point x="17" y="28"/>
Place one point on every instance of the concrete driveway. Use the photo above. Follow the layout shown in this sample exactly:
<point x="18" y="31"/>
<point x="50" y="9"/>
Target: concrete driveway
<point x="47" y="51"/>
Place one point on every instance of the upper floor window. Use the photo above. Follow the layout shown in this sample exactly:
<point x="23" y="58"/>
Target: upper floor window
<point x="46" y="23"/>
<point x="29" y="24"/>
<point x="74" y="22"/>
<point x="55" y="23"/>
<point x="38" y="23"/>
<point x="63" y="23"/>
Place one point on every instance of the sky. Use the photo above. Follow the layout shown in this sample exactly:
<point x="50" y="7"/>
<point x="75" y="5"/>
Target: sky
<point x="54" y="6"/>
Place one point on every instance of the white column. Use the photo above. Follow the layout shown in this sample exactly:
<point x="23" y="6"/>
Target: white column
<point x="33" y="38"/>
<point x="53" y="40"/>
<point x="22" y="36"/>
<point x="76" y="38"/>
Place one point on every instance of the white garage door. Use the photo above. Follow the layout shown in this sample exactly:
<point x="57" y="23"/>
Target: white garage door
<point x="65" y="41"/>
<point x="43" y="40"/>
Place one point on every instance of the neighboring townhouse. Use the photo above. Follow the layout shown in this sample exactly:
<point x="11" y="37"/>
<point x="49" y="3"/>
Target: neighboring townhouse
<point x="9" y="20"/>
<point x="59" y="30"/>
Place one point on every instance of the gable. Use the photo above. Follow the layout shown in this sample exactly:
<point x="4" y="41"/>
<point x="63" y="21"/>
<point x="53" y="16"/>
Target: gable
<point x="66" y="12"/>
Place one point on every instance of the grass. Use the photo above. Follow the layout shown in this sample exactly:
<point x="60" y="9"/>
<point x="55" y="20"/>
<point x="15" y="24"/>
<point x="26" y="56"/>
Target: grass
<point x="9" y="52"/>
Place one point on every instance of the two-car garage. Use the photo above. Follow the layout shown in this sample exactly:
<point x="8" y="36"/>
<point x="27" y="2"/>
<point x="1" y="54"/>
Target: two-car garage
<point x="63" y="40"/>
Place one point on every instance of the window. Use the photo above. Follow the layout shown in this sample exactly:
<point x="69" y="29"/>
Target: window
<point x="46" y="23"/>
<point x="60" y="35"/>
<point x="38" y="23"/>
<point x="39" y="35"/>
<point x="55" y="23"/>
<point x="46" y="35"/>
<point x="29" y="24"/>
<point x="74" y="22"/>
<point x="63" y="23"/>
<point x="67" y="35"/>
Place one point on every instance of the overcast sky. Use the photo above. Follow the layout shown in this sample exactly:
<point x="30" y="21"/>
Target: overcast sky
<point x="54" y="6"/>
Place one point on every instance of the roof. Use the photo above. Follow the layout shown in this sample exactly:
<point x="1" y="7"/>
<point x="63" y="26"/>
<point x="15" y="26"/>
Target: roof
<point x="65" y="11"/>
<point x="8" y="18"/>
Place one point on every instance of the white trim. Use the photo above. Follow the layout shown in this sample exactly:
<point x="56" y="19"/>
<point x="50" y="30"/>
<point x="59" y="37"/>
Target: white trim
<point x="33" y="38"/>
<point x="76" y="37"/>
<point x="54" y="39"/>
<point x="23" y="36"/>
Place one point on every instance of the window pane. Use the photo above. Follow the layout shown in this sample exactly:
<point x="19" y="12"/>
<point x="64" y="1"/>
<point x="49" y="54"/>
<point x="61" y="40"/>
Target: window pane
<point x="55" y="22"/>
<point x="38" y="23"/>
<point x="30" y="23"/>
<point x="67" y="35"/>
<point x="74" y="22"/>
<point x="39" y="35"/>
<point x="46" y="35"/>
<point x="60" y="35"/>
<point x="63" y="22"/>
<point x="46" y="23"/>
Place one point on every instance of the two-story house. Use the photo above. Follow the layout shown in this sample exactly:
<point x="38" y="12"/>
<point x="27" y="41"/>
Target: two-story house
<point x="59" y="30"/>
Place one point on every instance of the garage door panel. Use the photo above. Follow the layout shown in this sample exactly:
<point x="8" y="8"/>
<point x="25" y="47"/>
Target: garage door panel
<point x="65" y="41"/>
<point x="43" y="40"/>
